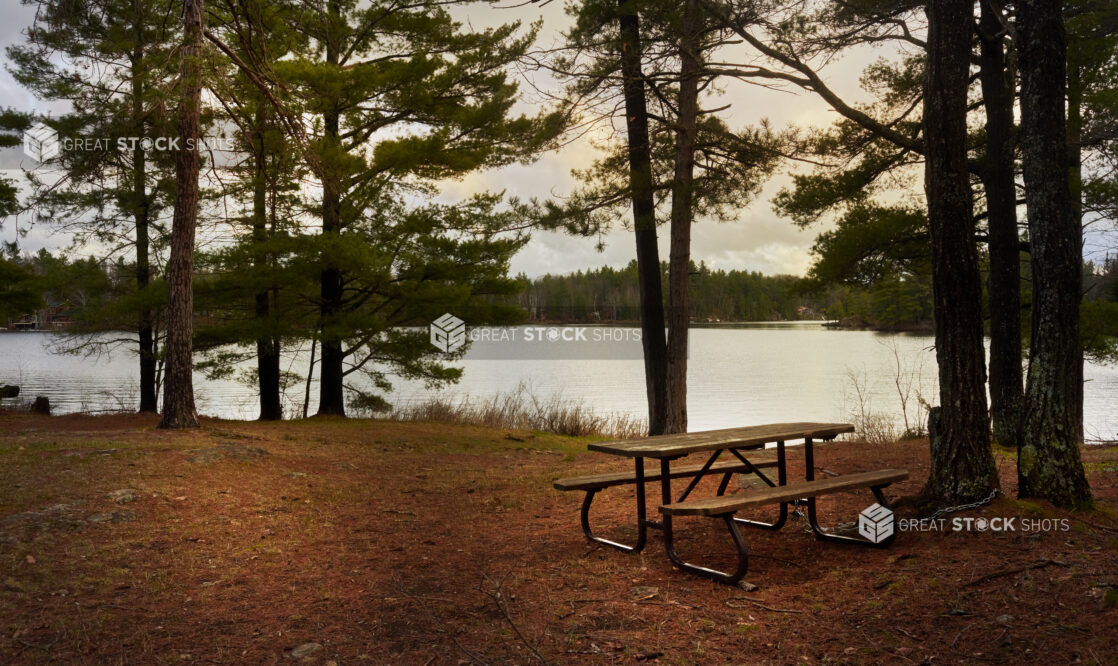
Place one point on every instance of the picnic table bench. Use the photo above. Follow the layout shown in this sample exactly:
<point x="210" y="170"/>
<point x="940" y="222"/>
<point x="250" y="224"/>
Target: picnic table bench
<point x="737" y="442"/>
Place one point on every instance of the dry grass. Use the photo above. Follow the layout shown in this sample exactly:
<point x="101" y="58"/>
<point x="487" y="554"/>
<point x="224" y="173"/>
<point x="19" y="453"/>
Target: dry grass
<point x="522" y="409"/>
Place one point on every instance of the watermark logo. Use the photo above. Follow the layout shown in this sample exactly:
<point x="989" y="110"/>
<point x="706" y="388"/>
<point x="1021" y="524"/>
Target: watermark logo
<point x="43" y="144"/>
<point x="875" y="523"/>
<point x="533" y="342"/>
<point x="448" y="333"/>
<point x="40" y="142"/>
<point x="980" y="524"/>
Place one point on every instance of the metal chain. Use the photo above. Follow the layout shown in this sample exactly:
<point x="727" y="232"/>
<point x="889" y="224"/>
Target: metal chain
<point x="972" y="505"/>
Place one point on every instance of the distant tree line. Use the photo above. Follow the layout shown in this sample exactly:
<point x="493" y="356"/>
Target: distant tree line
<point x="612" y="295"/>
<point x="97" y="294"/>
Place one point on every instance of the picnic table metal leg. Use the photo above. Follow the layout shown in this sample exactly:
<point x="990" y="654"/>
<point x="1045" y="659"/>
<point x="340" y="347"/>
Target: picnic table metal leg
<point x="782" y="479"/>
<point x="669" y="543"/>
<point x="699" y="476"/>
<point x="724" y="483"/>
<point x="813" y="521"/>
<point x="642" y="523"/>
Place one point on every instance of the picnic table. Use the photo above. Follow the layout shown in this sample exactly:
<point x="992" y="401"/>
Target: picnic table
<point x="741" y="447"/>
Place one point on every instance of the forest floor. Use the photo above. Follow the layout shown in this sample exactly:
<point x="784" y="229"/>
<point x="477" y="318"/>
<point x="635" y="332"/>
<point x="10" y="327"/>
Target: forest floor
<point x="408" y="543"/>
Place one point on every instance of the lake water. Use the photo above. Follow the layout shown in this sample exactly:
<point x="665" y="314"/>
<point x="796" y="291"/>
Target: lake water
<point x="737" y="375"/>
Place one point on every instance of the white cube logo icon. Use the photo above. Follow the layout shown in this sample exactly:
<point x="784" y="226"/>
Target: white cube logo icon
<point x="448" y="333"/>
<point x="876" y="523"/>
<point x="40" y="142"/>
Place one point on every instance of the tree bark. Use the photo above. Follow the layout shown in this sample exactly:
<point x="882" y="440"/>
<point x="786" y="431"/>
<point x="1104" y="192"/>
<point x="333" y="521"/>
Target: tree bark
<point x="1004" y="286"/>
<point x="962" y="464"/>
<point x="1075" y="184"/>
<point x="1048" y="462"/>
<point x="267" y="345"/>
<point x="679" y="306"/>
<point x="149" y="398"/>
<point x="644" y="220"/>
<point x="331" y="393"/>
<point x="310" y="375"/>
<point x="178" y="394"/>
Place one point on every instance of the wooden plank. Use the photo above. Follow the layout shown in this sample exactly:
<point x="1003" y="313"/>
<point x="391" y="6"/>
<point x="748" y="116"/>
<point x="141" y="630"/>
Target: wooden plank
<point x="668" y="446"/>
<point x="714" y="506"/>
<point x="593" y="481"/>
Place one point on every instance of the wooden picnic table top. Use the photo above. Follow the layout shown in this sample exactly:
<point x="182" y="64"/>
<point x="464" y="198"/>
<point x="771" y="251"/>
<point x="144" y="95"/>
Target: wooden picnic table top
<point x="670" y="446"/>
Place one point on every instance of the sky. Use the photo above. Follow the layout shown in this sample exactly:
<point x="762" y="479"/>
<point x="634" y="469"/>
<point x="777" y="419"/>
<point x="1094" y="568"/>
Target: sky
<point x="758" y="240"/>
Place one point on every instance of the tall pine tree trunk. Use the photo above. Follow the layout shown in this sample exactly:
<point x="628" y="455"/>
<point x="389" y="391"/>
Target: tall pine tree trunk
<point x="962" y="466"/>
<point x="267" y="345"/>
<point x="1075" y="184"/>
<point x="149" y="398"/>
<point x="644" y="220"/>
<point x="331" y="394"/>
<point x="178" y="393"/>
<point x="679" y="306"/>
<point x="1006" y="392"/>
<point x="1048" y="463"/>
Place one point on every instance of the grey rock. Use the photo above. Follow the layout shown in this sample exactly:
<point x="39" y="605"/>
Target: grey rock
<point x="123" y="496"/>
<point x="112" y="517"/>
<point x="206" y="457"/>
<point x="25" y="517"/>
<point x="304" y="650"/>
<point x="52" y="518"/>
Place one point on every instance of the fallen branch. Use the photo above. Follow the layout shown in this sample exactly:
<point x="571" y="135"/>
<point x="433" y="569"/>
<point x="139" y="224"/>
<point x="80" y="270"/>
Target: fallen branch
<point x="1112" y="530"/>
<point x="1040" y="564"/>
<point x="45" y="648"/>
<point x="915" y="638"/>
<point x="498" y="598"/>
<point x="674" y="604"/>
<point x="758" y="604"/>
<point x="956" y="639"/>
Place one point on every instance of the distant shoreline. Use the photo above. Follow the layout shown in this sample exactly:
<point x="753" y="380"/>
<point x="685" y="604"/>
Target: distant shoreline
<point x="694" y="324"/>
<point x="859" y="324"/>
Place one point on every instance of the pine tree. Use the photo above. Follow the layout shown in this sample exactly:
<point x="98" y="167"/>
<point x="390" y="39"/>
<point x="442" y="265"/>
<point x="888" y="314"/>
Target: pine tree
<point x="112" y="188"/>
<point x="1048" y="462"/>
<point x="1003" y="243"/>
<point x="658" y="59"/>
<point x="248" y="289"/>
<point x="404" y="96"/>
<point x="178" y="393"/>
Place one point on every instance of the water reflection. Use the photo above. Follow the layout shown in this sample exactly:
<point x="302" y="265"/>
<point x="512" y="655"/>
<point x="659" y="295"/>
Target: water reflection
<point x="738" y="375"/>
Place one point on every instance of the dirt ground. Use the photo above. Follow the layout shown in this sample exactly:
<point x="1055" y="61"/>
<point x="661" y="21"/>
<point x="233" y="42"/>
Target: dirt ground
<point x="332" y="541"/>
